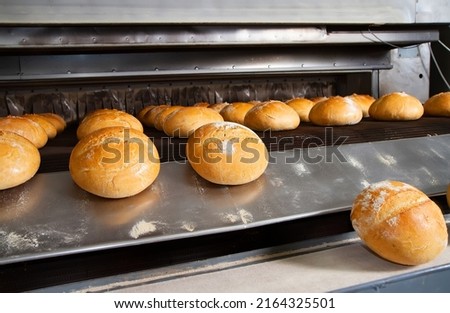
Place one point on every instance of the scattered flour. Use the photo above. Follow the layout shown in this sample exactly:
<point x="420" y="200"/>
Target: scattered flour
<point x="242" y="215"/>
<point x="388" y="160"/>
<point x="300" y="169"/>
<point x="277" y="182"/>
<point x="13" y="241"/>
<point x="142" y="228"/>
<point x="188" y="226"/>
<point x="355" y="163"/>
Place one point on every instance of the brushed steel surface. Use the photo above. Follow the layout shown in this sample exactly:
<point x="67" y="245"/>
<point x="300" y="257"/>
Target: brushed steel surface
<point x="206" y="11"/>
<point x="51" y="216"/>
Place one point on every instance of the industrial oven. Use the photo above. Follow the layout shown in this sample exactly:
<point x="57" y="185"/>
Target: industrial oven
<point x="287" y="231"/>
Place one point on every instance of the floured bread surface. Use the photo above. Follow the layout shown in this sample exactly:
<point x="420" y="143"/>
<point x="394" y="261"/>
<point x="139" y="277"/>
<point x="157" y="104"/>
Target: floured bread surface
<point x="399" y="222"/>
<point x="114" y="162"/>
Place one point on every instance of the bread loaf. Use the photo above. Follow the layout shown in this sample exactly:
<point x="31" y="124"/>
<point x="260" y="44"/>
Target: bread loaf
<point x="114" y="162"/>
<point x="364" y="101"/>
<point x="143" y="111"/>
<point x="399" y="223"/>
<point x="57" y="121"/>
<point x="183" y="122"/>
<point x="273" y="115"/>
<point x="19" y="160"/>
<point x="218" y="106"/>
<point x="44" y="122"/>
<point x="396" y="106"/>
<point x="227" y="153"/>
<point x="162" y="115"/>
<point x="336" y="111"/>
<point x="236" y="111"/>
<point x="25" y="128"/>
<point x="107" y="118"/>
<point x="149" y="117"/>
<point x="302" y="106"/>
<point x="438" y="105"/>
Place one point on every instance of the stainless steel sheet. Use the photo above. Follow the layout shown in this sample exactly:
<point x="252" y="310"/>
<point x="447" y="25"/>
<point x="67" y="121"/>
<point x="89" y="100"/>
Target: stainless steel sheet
<point x="50" y="215"/>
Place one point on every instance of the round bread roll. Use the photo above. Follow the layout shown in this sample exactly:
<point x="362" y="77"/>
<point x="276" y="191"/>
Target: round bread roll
<point x="273" y="115"/>
<point x="335" y="111"/>
<point x="438" y="105"/>
<point x="162" y="115"/>
<point x="227" y="153"/>
<point x="143" y="111"/>
<point x="58" y="122"/>
<point x="399" y="223"/>
<point x="25" y="128"/>
<point x="218" y="106"/>
<point x="44" y="122"/>
<point x="19" y="160"/>
<point x="183" y="122"/>
<point x="149" y="117"/>
<point x="236" y="111"/>
<point x="302" y="106"/>
<point x="114" y="162"/>
<point x="396" y="106"/>
<point x="107" y="118"/>
<point x="364" y="101"/>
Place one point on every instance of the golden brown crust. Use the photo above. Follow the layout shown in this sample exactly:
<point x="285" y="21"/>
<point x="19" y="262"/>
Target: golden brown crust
<point x="448" y="195"/>
<point x="183" y="122"/>
<point x="19" y="160"/>
<point x="273" y="115"/>
<point x="44" y="122"/>
<point x="114" y="162"/>
<point x="438" y="105"/>
<point x="25" y="128"/>
<point x="218" y="106"/>
<point x="227" y="153"/>
<point x="161" y="116"/>
<point x="201" y="104"/>
<point x="335" y="111"/>
<point x="302" y="106"/>
<point x="149" y="117"/>
<point x="236" y="111"/>
<point x="396" y="106"/>
<point x="318" y="99"/>
<point x="364" y="101"/>
<point x="107" y="118"/>
<point x="143" y="111"/>
<point x="399" y="223"/>
<point x="58" y="122"/>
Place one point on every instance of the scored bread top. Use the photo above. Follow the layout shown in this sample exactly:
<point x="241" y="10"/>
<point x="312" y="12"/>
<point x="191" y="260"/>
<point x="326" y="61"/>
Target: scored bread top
<point x="384" y="201"/>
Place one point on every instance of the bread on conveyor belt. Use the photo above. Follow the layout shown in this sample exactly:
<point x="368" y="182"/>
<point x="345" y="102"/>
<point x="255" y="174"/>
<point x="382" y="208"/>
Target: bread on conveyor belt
<point x="149" y="117"/>
<point x="114" y="162"/>
<point x="396" y="106"/>
<point x="107" y="118"/>
<point x="160" y="118"/>
<point x="438" y="105"/>
<point x="58" y="122"/>
<point x="399" y="223"/>
<point x="273" y="115"/>
<point x="143" y="111"/>
<point x="25" y="128"/>
<point x="218" y="106"/>
<point x="45" y="123"/>
<point x="236" y="111"/>
<point x="302" y="106"/>
<point x="336" y="111"/>
<point x="227" y="153"/>
<point x="183" y="122"/>
<point x="19" y="160"/>
<point x="364" y="101"/>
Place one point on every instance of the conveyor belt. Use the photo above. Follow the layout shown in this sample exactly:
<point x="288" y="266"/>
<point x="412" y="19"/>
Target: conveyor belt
<point x="55" y="156"/>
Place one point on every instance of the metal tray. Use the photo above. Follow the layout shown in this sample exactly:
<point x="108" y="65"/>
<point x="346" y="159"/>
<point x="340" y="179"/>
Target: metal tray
<point x="51" y="216"/>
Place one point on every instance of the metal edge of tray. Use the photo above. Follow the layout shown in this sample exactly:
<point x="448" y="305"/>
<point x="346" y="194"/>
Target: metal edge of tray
<point x="50" y="216"/>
